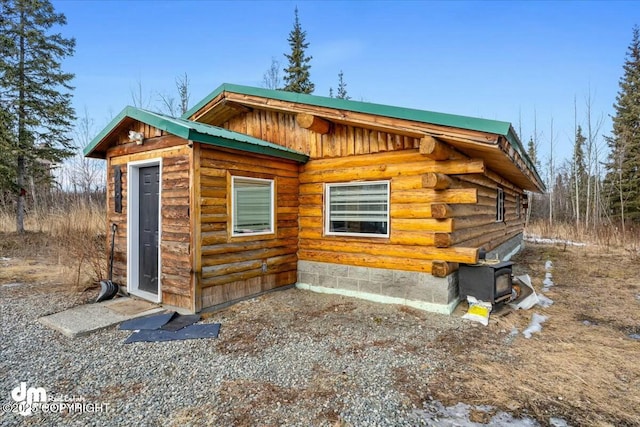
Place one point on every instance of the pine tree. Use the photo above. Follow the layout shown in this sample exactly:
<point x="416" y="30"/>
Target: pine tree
<point x="623" y="167"/>
<point x="297" y="76"/>
<point x="330" y="92"/>
<point x="342" y="87"/>
<point x="34" y="90"/>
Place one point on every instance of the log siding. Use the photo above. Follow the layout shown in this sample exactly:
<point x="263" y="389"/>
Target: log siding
<point x="234" y="267"/>
<point x="341" y="140"/>
<point x="175" y="273"/>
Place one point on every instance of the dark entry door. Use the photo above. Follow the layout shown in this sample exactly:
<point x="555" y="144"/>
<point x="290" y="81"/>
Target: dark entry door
<point x="148" y="226"/>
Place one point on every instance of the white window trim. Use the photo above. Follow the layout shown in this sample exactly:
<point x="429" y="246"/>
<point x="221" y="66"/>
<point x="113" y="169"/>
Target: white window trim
<point x="233" y="206"/>
<point x="500" y="205"/>
<point x="133" y="226"/>
<point x="327" y="209"/>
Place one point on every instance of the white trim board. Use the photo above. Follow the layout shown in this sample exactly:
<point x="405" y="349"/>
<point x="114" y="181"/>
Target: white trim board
<point x="133" y="250"/>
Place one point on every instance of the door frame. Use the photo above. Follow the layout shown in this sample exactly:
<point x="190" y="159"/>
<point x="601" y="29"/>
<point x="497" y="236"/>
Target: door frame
<point x="133" y="228"/>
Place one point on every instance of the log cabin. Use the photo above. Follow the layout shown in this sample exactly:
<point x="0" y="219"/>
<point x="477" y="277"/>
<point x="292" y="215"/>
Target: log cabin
<point x="256" y="189"/>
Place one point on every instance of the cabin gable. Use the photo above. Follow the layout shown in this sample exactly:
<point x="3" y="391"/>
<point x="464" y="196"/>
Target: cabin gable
<point x="339" y="140"/>
<point x="493" y="141"/>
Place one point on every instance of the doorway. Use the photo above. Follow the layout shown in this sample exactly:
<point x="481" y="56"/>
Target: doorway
<point x="143" y="231"/>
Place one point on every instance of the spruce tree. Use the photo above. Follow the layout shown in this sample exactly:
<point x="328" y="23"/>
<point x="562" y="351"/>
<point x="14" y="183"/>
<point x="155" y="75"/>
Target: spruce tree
<point x="579" y="166"/>
<point x="578" y="173"/>
<point x="7" y="144"/>
<point x="297" y="77"/>
<point x="623" y="167"/>
<point x="34" y="90"/>
<point x="342" y="87"/>
<point x="532" y="152"/>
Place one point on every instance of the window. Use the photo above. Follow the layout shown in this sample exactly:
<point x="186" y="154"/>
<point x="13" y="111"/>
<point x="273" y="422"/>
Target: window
<point x="252" y="206"/>
<point x="500" y="205"/>
<point x="518" y="206"/>
<point x="357" y="209"/>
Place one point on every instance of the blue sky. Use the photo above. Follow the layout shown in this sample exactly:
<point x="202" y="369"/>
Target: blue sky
<point x="496" y="60"/>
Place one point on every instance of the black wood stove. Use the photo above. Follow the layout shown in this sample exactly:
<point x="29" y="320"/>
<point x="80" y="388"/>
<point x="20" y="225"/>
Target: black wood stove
<point x="486" y="282"/>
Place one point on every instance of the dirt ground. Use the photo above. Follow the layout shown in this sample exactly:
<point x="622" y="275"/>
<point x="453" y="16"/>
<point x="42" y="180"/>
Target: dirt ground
<point x="583" y="365"/>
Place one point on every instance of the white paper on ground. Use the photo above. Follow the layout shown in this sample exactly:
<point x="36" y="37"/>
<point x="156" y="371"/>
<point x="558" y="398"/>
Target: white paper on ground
<point x="529" y="301"/>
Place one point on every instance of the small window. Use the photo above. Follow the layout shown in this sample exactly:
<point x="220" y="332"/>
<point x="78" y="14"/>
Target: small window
<point x="518" y="206"/>
<point x="357" y="209"/>
<point x="252" y="206"/>
<point x="500" y="205"/>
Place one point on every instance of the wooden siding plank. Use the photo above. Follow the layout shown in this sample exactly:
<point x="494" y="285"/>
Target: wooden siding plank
<point x="358" y="259"/>
<point x="384" y="171"/>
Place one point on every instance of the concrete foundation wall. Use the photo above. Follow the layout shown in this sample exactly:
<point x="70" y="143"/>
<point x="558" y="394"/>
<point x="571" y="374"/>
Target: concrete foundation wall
<point x="420" y="290"/>
<point x="505" y="251"/>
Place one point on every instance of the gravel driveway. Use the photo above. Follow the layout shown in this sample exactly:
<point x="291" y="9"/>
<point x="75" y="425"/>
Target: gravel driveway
<point x="288" y="358"/>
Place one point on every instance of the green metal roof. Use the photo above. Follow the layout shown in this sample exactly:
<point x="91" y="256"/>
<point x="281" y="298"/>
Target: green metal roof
<point x="198" y="132"/>
<point x="450" y="120"/>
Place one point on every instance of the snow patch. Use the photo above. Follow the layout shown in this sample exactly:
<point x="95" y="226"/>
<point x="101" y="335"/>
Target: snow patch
<point x="544" y="301"/>
<point x="540" y="240"/>
<point x="535" y="326"/>
<point x="459" y="416"/>
<point x="548" y="276"/>
<point x="557" y="422"/>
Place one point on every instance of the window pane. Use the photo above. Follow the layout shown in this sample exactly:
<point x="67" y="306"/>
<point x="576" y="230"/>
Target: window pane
<point x="500" y="205"/>
<point x="252" y="206"/>
<point x="359" y="208"/>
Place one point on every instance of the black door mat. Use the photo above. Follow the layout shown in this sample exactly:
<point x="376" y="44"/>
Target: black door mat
<point x="155" y="321"/>
<point x="207" y="330"/>
<point x="180" y="321"/>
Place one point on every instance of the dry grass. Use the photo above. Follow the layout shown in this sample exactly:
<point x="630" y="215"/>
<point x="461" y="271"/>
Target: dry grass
<point x="59" y="222"/>
<point x="586" y="373"/>
<point x="69" y="246"/>
<point x="605" y="236"/>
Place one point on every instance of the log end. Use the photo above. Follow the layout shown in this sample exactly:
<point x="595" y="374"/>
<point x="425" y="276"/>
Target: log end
<point x="443" y="268"/>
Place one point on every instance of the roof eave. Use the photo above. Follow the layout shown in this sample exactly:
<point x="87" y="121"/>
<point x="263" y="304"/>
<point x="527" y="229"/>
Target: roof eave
<point x="140" y="115"/>
<point x="512" y="138"/>
<point x="182" y="130"/>
<point x="233" y="144"/>
<point x="88" y="151"/>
